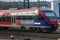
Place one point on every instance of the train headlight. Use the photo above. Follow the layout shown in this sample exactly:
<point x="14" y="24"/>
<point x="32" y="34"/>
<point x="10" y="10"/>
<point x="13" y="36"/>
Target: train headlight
<point x="37" y="23"/>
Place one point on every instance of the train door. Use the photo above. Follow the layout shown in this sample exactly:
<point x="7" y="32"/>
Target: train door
<point x="13" y="20"/>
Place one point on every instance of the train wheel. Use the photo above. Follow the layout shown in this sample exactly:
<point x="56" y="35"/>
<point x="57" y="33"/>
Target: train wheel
<point x="48" y="30"/>
<point x="53" y="29"/>
<point x="32" y="29"/>
<point x="38" y="30"/>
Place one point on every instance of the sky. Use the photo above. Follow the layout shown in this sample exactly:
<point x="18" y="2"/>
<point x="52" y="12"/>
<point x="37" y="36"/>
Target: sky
<point x="22" y="0"/>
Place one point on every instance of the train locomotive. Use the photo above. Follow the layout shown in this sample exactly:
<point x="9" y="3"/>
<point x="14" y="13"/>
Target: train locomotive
<point x="29" y="19"/>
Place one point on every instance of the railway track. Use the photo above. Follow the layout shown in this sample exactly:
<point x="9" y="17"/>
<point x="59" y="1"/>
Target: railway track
<point x="18" y="34"/>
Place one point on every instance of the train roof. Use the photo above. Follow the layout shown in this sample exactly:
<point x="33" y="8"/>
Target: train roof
<point x="21" y="10"/>
<point x="32" y="11"/>
<point x="47" y="10"/>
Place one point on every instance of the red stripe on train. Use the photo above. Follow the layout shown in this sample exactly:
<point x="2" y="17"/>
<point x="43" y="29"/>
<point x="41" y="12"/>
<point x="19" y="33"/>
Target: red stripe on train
<point x="6" y="23"/>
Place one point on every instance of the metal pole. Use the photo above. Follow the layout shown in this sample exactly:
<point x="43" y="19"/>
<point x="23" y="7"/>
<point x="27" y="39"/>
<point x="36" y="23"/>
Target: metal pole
<point x="28" y="4"/>
<point x="10" y="4"/>
<point x="24" y="3"/>
<point x="14" y="3"/>
<point x="38" y="4"/>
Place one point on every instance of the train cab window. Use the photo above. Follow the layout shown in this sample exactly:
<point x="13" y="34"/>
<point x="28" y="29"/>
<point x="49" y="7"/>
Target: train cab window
<point x="40" y="17"/>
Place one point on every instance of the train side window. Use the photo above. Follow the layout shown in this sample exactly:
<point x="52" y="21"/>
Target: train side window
<point x="35" y="17"/>
<point x="1" y="19"/>
<point x="8" y="19"/>
<point x="23" y="17"/>
<point x="18" y="17"/>
<point x="30" y="17"/>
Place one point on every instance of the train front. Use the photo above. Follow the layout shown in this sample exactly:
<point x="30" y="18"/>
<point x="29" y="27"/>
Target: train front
<point x="51" y="19"/>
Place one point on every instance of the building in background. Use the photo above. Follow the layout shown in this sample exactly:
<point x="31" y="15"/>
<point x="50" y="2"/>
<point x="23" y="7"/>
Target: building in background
<point x="56" y="7"/>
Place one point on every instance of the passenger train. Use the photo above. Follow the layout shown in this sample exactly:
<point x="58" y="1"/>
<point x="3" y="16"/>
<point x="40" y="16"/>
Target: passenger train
<point x="29" y="19"/>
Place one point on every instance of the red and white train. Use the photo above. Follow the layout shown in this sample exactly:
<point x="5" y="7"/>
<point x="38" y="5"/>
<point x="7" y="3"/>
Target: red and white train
<point x="29" y="19"/>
